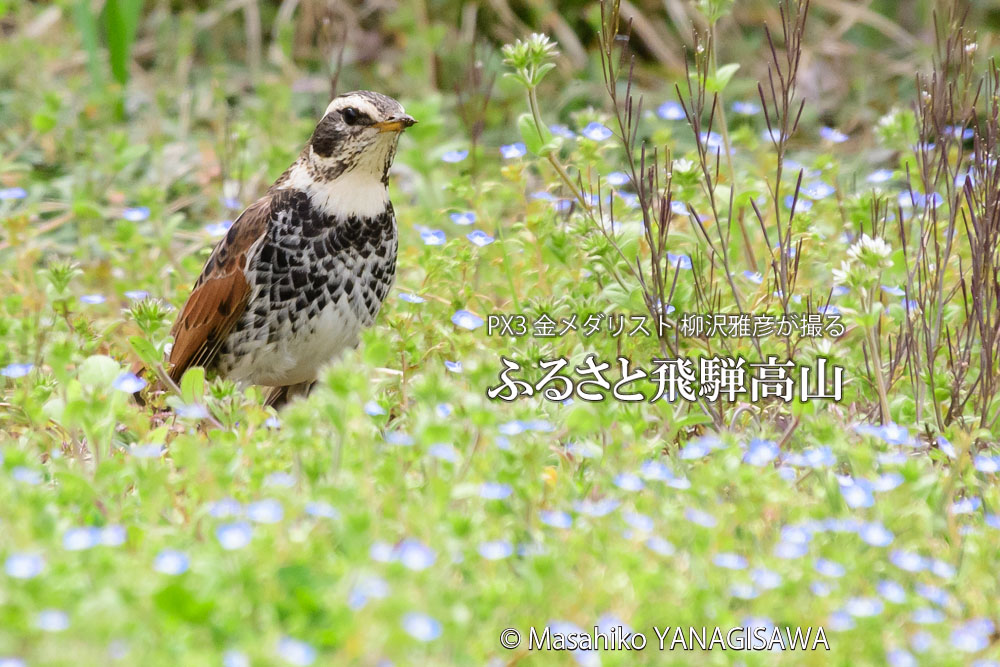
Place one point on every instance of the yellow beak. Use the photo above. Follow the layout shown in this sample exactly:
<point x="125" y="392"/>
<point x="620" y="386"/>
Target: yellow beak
<point x="395" y="124"/>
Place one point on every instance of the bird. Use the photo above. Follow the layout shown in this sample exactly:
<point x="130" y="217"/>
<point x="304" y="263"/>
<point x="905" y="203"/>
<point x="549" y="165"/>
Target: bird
<point x="305" y="268"/>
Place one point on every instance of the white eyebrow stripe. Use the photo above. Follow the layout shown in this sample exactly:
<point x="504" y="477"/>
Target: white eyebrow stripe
<point x="358" y="102"/>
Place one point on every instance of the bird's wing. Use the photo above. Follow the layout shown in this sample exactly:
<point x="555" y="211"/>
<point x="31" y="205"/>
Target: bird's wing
<point x="221" y="294"/>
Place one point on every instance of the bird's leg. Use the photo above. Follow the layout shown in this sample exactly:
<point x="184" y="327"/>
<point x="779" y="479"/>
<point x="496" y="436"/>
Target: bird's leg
<point x="279" y="396"/>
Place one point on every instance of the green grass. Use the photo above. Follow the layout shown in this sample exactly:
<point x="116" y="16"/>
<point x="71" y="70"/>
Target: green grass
<point x="398" y="474"/>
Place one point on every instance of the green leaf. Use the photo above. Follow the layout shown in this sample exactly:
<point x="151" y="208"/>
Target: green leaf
<point x="145" y="350"/>
<point x="537" y="140"/>
<point x="176" y="600"/>
<point x="98" y="371"/>
<point x="193" y="385"/>
<point x="718" y="82"/>
<point x="121" y="20"/>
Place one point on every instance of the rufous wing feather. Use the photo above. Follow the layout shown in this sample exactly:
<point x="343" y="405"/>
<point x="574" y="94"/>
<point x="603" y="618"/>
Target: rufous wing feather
<point x="221" y="294"/>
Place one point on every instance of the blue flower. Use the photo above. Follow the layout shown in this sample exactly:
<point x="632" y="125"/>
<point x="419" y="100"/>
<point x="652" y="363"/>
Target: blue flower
<point x="864" y="607"/>
<point x="946" y="447"/>
<point x="421" y="626"/>
<point x="463" y="218"/>
<point x="368" y="587"/>
<point x="322" y="510"/>
<point x="171" y="562"/>
<point x="444" y="410"/>
<point x="839" y="290"/>
<point x="112" y="535"/>
<point x="987" y="464"/>
<point x="773" y="135"/>
<point x="399" y="438"/>
<point x="12" y="193"/>
<point x="891" y="591"/>
<point x="137" y="294"/>
<point x="444" y="452"/>
<point x="840" y="621"/>
<point x="414" y="554"/>
<point x="887" y="481"/>
<point x="26" y="475"/>
<point x="730" y="561"/>
<point x="494" y="491"/>
<point x="433" y="237"/>
<point x="618" y="178"/>
<point x="746" y="108"/>
<point x="660" y="546"/>
<point x="561" y="131"/>
<point x="711" y="139"/>
<point x="829" y="568"/>
<point x="700" y="517"/>
<point x="820" y="588"/>
<point x="671" y="111"/>
<point x="679" y="208"/>
<point x="876" y="535"/>
<point x="908" y="561"/>
<point x="295" y="651"/>
<point x="411" y="298"/>
<point x="761" y="452"/>
<point x="880" y="176"/>
<point x="966" y="505"/>
<point x="641" y="522"/>
<point x="373" y="409"/>
<point x="655" y="470"/>
<point x="754" y="276"/>
<point x="511" y="151"/>
<point x="24" y="565"/>
<point x="894" y="291"/>
<point x="136" y="214"/>
<point x="16" y="370"/>
<point x="383" y="552"/>
<point x="832" y="135"/>
<point x="281" y="479"/>
<point x="218" y="228"/>
<point x="596" y="508"/>
<point x="52" y="620"/>
<point x="234" y="535"/>
<point x="814" y="457"/>
<point x="129" y="383"/>
<point x="455" y="156"/>
<point x="80" y="539"/>
<point x="898" y="657"/>
<point x="92" y="299"/>
<point x="800" y="203"/>
<point x="595" y="131"/>
<point x="267" y="510"/>
<point x="969" y="642"/>
<point x="230" y="202"/>
<point x="225" y="508"/>
<point x="192" y="411"/>
<point x="679" y="261"/>
<point x="932" y="594"/>
<point x="466" y="320"/>
<point x="790" y="550"/>
<point x="629" y="482"/>
<point x="479" y="238"/>
<point x="928" y="616"/>
<point x="857" y="493"/>
<point x="496" y="550"/>
<point x="764" y="578"/>
<point x="818" y="190"/>
<point x="555" y="518"/>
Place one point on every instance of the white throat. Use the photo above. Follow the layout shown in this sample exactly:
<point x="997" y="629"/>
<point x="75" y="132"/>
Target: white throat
<point x="355" y="193"/>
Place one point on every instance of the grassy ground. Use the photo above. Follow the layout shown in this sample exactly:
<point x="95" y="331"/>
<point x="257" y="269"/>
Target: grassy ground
<point x="399" y="515"/>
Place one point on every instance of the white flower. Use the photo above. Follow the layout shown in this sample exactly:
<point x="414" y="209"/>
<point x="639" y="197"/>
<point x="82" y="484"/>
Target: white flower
<point x="683" y="166"/>
<point x="873" y="252"/>
<point x="842" y="276"/>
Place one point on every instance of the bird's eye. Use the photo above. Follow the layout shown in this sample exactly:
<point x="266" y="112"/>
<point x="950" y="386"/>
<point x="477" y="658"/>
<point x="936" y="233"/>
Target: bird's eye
<point x="350" y="115"/>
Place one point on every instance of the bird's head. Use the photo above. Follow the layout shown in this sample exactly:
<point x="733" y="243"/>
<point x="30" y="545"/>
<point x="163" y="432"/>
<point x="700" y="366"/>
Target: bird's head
<point x="357" y="135"/>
